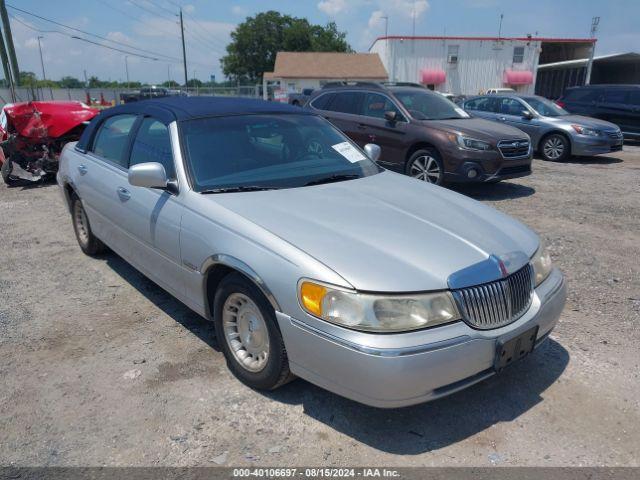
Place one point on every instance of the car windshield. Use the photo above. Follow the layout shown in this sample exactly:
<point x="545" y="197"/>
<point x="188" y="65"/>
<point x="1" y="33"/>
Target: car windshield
<point x="429" y="106"/>
<point x="257" y="152"/>
<point x="545" y="107"/>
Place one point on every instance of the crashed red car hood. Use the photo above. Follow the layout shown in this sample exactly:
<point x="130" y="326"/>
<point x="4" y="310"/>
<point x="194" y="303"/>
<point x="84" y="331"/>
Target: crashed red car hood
<point x="38" y="120"/>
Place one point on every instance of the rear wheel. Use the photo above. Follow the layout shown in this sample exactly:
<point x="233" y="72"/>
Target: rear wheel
<point x="426" y="165"/>
<point x="89" y="243"/>
<point x="247" y="332"/>
<point x="555" y="148"/>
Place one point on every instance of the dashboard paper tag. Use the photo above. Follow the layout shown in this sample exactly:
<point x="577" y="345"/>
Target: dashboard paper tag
<point x="349" y="152"/>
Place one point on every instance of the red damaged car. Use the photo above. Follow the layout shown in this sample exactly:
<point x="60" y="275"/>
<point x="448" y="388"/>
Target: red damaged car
<point x="33" y="134"/>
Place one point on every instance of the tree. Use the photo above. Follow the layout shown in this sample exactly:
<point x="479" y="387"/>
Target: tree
<point x="27" y="78"/>
<point x="194" y="82"/>
<point x="95" y="82"/>
<point x="255" y="42"/>
<point x="70" y="82"/>
<point x="170" y="84"/>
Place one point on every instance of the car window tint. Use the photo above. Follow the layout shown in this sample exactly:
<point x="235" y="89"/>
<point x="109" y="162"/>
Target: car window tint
<point x="634" y="97"/>
<point x="581" y="95"/>
<point x="322" y="101"/>
<point x="510" y="106"/>
<point x="278" y="151"/>
<point x="615" y="96"/>
<point x="483" y="104"/>
<point x="112" y="138"/>
<point x="346" y="102"/>
<point x="153" y="144"/>
<point x="375" y="105"/>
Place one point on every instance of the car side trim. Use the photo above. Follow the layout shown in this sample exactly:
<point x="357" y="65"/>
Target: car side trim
<point x="240" y="266"/>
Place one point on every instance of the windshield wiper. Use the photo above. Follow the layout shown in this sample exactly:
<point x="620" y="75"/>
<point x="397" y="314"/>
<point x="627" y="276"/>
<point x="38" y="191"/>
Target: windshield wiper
<point x="331" y="179"/>
<point x="242" y="188"/>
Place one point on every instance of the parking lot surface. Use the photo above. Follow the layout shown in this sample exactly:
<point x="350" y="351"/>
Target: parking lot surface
<point x="99" y="366"/>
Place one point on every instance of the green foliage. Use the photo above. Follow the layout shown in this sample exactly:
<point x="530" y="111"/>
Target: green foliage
<point x="255" y="42"/>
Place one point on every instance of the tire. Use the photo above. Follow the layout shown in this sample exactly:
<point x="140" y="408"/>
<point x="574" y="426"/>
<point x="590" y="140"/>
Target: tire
<point x="247" y="332"/>
<point x="6" y="170"/>
<point x="426" y="165"/>
<point x="555" y="148"/>
<point x="89" y="243"/>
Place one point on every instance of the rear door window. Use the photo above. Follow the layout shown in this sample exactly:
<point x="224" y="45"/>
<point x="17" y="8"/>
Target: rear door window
<point x="113" y="137"/>
<point x="346" y="102"/>
<point x="511" y="106"/>
<point x="153" y="144"/>
<point x="616" y="95"/>
<point x="482" y="104"/>
<point x="322" y="101"/>
<point x="582" y="95"/>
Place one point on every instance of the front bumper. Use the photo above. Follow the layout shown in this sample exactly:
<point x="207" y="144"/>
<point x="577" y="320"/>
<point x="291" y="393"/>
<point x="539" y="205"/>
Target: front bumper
<point x="582" y="145"/>
<point x="487" y="166"/>
<point x="396" y="370"/>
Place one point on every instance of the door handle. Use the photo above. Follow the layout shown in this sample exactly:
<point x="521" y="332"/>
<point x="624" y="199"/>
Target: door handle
<point x="362" y="126"/>
<point x="502" y="119"/>
<point x="82" y="169"/>
<point x="124" y="194"/>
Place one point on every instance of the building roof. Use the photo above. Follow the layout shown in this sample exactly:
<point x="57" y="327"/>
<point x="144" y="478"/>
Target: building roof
<point x="580" y="62"/>
<point x="523" y="39"/>
<point x="330" y="65"/>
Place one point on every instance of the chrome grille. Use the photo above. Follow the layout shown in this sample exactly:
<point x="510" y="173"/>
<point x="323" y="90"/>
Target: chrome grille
<point x="498" y="303"/>
<point x="514" y="148"/>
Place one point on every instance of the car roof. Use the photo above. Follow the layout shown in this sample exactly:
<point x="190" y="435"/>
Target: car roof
<point x="604" y="85"/>
<point x="185" y="108"/>
<point x="178" y="108"/>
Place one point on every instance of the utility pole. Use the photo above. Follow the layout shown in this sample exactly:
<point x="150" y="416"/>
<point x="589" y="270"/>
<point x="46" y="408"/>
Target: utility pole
<point x="386" y="25"/>
<point x="44" y="76"/>
<point x="169" y="73"/>
<point x="11" y="51"/>
<point x="126" y="68"/>
<point x="413" y="17"/>
<point x="595" y="21"/>
<point x="500" y="26"/>
<point x="184" y="51"/>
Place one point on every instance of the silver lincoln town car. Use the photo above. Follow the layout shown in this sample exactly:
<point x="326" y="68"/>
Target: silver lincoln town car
<point x="310" y="259"/>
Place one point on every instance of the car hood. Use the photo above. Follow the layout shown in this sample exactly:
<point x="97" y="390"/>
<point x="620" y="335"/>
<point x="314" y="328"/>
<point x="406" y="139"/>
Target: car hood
<point x="478" y="128"/>
<point x="386" y="232"/>
<point x="586" y="121"/>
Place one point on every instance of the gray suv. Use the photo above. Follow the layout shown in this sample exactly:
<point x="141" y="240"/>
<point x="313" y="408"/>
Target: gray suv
<point x="554" y="132"/>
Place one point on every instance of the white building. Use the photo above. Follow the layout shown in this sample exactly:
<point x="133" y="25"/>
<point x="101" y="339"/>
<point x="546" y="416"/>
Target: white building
<point x="471" y="65"/>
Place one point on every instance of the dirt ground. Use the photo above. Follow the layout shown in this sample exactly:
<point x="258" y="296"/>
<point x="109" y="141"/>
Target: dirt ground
<point x="98" y="366"/>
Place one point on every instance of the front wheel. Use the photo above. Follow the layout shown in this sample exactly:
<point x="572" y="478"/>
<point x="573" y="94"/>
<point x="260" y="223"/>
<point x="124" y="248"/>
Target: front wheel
<point x="555" y="148"/>
<point x="426" y="165"/>
<point x="247" y="332"/>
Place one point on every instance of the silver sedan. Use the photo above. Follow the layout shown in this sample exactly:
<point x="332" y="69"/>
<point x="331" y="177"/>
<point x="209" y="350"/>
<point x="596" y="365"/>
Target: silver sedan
<point x="554" y="132"/>
<point x="310" y="259"/>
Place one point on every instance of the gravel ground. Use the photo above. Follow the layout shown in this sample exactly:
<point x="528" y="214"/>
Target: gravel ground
<point x="98" y="366"/>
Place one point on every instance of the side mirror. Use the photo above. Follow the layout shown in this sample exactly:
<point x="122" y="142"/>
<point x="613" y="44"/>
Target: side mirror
<point x="390" y="115"/>
<point x="150" y="175"/>
<point x="527" y="114"/>
<point x="373" y="151"/>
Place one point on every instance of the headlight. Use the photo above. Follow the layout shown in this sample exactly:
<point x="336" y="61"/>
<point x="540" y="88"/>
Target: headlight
<point x="591" y="132"/>
<point x="376" y="313"/>
<point x="468" y="143"/>
<point x="541" y="263"/>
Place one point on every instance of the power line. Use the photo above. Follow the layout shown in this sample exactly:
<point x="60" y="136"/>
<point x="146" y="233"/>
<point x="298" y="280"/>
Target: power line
<point x="130" y="17"/>
<point x="113" y="48"/>
<point x="164" y="17"/>
<point x="90" y="34"/>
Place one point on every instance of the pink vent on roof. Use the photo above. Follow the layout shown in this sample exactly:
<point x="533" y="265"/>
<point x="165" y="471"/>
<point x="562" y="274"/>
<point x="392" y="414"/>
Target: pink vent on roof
<point x="517" y="77"/>
<point x="432" y="76"/>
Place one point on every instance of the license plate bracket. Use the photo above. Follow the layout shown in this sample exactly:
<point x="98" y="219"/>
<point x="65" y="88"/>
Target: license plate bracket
<point x="511" y="350"/>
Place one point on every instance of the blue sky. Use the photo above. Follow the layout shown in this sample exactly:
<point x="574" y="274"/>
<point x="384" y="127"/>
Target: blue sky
<point x="150" y="25"/>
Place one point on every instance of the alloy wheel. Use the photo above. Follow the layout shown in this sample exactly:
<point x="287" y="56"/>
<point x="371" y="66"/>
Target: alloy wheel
<point x="553" y="148"/>
<point x="425" y="168"/>
<point x="245" y="332"/>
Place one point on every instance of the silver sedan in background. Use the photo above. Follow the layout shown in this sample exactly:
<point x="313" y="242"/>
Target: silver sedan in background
<point x="554" y="132"/>
<point x="309" y="258"/>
